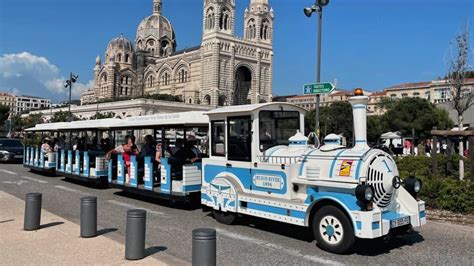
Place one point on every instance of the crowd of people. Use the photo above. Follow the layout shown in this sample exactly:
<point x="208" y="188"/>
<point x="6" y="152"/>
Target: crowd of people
<point x="423" y="148"/>
<point x="183" y="152"/>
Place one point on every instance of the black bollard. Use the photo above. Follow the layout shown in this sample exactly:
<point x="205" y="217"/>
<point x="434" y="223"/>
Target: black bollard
<point x="88" y="217"/>
<point x="204" y="247"/>
<point x="32" y="211"/>
<point x="135" y="235"/>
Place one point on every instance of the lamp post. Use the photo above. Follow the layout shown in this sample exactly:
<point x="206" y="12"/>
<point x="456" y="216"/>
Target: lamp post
<point x="72" y="79"/>
<point x="308" y="11"/>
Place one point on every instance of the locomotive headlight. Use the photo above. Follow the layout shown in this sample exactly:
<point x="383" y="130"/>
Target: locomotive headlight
<point x="364" y="193"/>
<point x="413" y="186"/>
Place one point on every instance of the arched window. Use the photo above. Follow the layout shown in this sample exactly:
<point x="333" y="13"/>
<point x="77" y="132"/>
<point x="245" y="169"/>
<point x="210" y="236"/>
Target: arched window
<point x="165" y="47"/>
<point x="207" y="100"/>
<point x="224" y="19"/>
<point x="127" y="57"/>
<point x="119" y="57"/>
<point x="165" y="79"/>
<point x="182" y="76"/>
<point x="210" y="19"/>
<point x="126" y="86"/>
<point x="264" y="30"/>
<point x="251" y="29"/>
<point x="150" y="81"/>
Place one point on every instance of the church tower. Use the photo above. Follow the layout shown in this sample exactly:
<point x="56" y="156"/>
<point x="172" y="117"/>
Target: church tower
<point x="219" y="16"/>
<point x="258" y="22"/>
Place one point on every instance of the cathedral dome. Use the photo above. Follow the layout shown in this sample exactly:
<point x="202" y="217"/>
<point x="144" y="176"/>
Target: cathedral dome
<point x="120" y="50"/>
<point x="156" y="26"/>
<point x="155" y="33"/>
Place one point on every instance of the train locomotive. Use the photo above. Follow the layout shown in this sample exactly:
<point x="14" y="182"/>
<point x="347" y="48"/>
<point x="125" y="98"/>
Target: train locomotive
<point x="341" y="193"/>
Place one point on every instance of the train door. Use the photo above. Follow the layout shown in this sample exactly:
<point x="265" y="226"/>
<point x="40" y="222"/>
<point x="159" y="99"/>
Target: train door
<point x="239" y="149"/>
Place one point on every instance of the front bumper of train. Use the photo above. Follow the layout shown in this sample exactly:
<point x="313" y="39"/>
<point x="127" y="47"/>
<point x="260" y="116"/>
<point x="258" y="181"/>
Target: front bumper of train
<point x="377" y="223"/>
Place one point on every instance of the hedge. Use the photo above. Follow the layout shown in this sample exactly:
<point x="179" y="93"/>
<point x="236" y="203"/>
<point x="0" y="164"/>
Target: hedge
<point x="444" y="191"/>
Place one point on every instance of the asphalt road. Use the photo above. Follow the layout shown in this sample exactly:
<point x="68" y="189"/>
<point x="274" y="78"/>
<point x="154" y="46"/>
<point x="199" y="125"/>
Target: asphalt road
<point x="250" y="241"/>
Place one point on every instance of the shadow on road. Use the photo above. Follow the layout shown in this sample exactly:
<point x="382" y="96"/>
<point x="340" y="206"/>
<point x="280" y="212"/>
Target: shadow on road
<point x="92" y="185"/>
<point x="363" y="247"/>
<point x="43" y="226"/>
<point x="175" y="204"/>
<point x="374" y="247"/>
<point x="6" y="221"/>
<point x="153" y="250"/>
<point x="106" y="231"/>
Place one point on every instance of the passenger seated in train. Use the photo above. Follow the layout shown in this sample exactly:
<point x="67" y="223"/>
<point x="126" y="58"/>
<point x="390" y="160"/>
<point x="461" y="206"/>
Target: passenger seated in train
<point x="127" y="150"/>
<point x="151" y="149"/>
<point x="148" y="148"/>
<point x="46" y="147"/>
<point x="186" y="155"/>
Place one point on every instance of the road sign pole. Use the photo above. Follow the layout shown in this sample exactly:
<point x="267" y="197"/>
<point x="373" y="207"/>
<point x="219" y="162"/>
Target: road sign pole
<point x="318" y="74"/>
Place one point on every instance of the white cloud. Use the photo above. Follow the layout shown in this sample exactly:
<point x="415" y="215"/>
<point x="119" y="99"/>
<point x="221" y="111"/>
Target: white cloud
<point x="28" y="70"/>
<point x="79" y="88"/>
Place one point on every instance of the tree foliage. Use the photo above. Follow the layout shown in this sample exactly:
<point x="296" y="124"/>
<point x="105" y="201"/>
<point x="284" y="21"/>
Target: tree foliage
<point x="65" y="116"/>
<point x="21" y="123"/>
<point x="336" y="118"/>
<point x="415" y="113"/>
<point x="101" y="115"/>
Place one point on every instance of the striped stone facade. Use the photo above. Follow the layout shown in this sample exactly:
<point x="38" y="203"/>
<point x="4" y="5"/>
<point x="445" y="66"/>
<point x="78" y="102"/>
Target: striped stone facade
<point x="223" y="70"/>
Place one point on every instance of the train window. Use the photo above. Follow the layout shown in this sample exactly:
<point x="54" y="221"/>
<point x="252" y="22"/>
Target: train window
<point x="239" y="138"/>
<point x="276" y="127"/>
<point x="218" y="138"/>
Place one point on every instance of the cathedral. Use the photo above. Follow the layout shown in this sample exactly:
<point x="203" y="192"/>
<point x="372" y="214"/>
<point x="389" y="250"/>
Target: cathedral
<point x="223" y="70"/>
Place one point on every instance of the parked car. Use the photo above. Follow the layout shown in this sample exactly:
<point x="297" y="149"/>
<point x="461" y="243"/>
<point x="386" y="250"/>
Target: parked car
<point x="11" y="150"/>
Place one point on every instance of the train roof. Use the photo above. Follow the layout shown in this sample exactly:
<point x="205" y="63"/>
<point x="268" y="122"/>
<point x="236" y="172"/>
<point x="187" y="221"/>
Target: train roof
<point x="192" y="118"/>
<point x="92" y="124"/>
<point x="47" y="127"/>
<point x="252" y="108"/>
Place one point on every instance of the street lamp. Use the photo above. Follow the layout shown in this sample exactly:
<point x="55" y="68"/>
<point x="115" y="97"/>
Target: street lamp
<point x="72" y="79"/>
<point x="308" y="11"/>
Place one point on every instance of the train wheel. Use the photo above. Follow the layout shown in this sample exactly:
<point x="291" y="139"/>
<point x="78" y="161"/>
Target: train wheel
<point x="333" y="230"/>
<point x="224" y="217"/>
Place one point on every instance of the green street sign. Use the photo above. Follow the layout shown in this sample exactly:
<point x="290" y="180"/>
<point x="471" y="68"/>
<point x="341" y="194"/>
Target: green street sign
<point x="318" y="88"/>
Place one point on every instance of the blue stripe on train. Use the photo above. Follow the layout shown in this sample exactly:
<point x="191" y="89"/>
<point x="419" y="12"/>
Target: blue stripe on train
<point x="276" y="210"/>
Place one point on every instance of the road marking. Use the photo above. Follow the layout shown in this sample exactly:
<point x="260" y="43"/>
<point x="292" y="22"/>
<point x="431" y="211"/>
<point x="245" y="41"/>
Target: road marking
<point x="70" y="189"/>
<point x="262" y="243"/>
<point x="18" y="182"/>
<point x="131" y="206"/>
<point x="34" y="179"/>
<point x="8" y="172"/>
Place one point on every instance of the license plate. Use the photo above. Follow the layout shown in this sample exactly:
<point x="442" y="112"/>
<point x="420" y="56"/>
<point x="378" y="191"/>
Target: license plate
<point x="18" y="156"/>
<point x="400" y="222"/>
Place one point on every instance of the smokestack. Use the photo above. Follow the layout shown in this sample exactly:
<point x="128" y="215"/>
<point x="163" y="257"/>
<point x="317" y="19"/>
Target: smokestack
<point x="359" y="112"/>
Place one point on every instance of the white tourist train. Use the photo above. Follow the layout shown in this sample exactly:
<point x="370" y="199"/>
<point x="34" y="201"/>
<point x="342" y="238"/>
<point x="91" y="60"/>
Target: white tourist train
<point x="255" y="161"/>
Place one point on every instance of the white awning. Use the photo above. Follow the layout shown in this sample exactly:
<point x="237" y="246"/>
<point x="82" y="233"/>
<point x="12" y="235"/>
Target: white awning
<point x="193" y="118"/>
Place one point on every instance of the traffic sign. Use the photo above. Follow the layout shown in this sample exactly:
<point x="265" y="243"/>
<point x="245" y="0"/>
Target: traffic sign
<point x="318" y="88"/>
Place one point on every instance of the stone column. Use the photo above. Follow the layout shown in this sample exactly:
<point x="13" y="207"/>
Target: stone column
<point x="258" y="76"/>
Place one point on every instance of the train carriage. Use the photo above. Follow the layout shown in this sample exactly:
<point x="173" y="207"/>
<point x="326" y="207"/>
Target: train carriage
<point x="145" y="176"/>
<point x="81" y="156"/>
<point x="34" y="157"/>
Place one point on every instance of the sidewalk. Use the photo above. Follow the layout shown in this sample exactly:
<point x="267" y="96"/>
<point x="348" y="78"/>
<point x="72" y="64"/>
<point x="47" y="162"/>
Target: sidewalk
<point x="58" y="242"/>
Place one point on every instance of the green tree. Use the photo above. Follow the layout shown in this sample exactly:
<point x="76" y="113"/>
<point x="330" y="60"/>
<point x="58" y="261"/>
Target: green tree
<point x="21" y="123"/>
<point x="336" y="118"/>
<point x="4" y="113"/>
<point x="415" y="114"/>
<point x="63" y="117"/>
<point x="375" y="128"/>
<point x="105" y="115"/>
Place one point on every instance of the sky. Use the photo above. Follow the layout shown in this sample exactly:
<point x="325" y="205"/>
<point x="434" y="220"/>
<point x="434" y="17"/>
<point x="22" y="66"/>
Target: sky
<point x="373" y="44"/>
